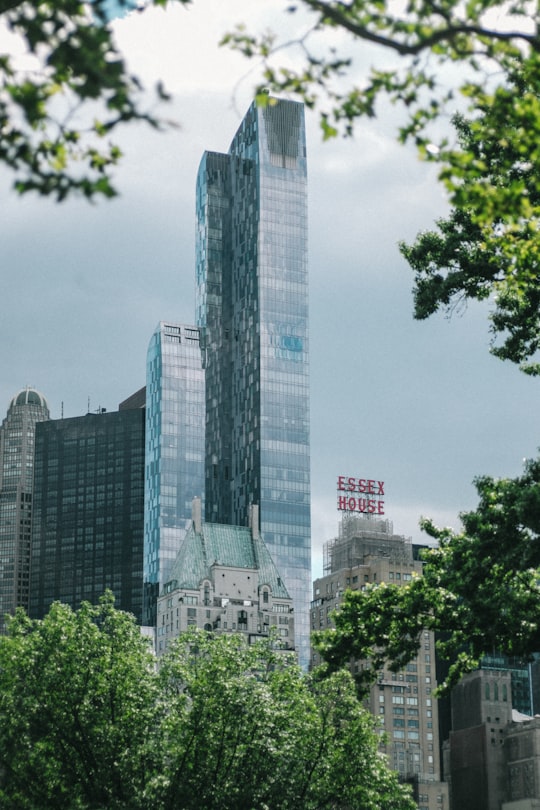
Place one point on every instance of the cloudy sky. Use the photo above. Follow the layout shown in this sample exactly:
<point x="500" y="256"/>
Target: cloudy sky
<point x="422" y="406"/>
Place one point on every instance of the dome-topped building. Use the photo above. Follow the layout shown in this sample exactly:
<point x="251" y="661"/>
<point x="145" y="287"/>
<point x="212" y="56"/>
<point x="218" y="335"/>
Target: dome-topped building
<point x="17" y="442"/>
<point x="29" y="396"/>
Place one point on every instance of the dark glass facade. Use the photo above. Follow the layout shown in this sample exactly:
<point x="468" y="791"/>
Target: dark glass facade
<point x="17" y="437"/>
<point x="252" y="305"/>
<point x="88" y="511"/>
<point x="174" y="471"/>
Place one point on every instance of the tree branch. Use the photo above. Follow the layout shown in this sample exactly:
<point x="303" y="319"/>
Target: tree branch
<point x="342" y="17"/>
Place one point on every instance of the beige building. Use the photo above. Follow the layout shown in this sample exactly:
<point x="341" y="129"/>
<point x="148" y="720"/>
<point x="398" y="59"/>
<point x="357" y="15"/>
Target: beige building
<point x="224" y="580"/>
<point x="366" y="552"/>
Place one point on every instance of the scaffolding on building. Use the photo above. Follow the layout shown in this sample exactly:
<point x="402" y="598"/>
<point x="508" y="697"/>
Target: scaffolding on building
<point x="361" y="538"/>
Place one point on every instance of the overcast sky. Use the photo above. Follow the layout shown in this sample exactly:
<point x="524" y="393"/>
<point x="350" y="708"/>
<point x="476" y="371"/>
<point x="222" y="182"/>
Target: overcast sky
<point x="422" y="406"/>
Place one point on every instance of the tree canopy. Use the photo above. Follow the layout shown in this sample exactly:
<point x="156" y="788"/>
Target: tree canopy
<point x="484" y="39"/>
<point x="480" y="591"/>
<point x="53" y="132"/>
<point x="489" y="246"/>
<point x="89" y="719"/>
<point x="49" y="139"/>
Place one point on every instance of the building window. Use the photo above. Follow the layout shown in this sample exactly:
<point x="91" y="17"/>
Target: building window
<point x="242" y="619"/>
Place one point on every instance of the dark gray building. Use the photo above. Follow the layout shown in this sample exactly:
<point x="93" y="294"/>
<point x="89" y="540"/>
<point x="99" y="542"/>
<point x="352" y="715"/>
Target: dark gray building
<point x="88" y="518"/>
<point x="17" y="434"/>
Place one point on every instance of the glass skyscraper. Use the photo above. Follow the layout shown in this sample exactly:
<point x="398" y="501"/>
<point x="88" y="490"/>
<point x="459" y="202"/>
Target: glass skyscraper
<point x="87" y="532"/>
<point x="252" y="307"/>
<point x="174" y="473"/>
<point x="17" y="444"/>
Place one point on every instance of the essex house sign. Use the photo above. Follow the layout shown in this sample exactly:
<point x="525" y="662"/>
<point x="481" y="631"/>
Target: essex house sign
<point x="360" y="495"/>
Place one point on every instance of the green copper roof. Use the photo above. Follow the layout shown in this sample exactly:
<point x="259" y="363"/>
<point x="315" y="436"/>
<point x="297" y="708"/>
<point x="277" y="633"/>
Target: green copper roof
<point x="232" y="546"/>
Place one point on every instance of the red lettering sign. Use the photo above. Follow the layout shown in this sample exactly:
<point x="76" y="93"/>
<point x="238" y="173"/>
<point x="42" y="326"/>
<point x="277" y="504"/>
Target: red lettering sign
<point x="368" y="486"/>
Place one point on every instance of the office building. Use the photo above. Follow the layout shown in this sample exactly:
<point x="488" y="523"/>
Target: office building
<point x="17" y="441"/>
<point x="225" y="581"/>
<point x="252" y="307"/>
<point x="475" y="764"/>
<point x="492" y="753"/>
<point x="366" y="552"/>
<point x="174" y="464"/>
<point x="87" y="531"/>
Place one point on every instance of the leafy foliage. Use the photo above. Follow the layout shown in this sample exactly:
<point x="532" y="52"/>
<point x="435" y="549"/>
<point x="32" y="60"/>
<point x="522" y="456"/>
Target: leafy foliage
<point x="268" y="736"/>
<point x="78" y="710"/>
<point x="489" y="246"/>
<point x="480" y="590"/>
<point x="77" y="66"/>
<point x="89" y="720"/>
<point x="425" y="35"/>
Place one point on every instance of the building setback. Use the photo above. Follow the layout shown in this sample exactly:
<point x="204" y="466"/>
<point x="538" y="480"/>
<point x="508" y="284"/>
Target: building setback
<point x="88" y="518"/>
<point x="174" y="464"/>
<point x="17" y="441"/>
<point x="225" y="581"/>
<point x="252" y="307"/>
<point x="367" y="552"/>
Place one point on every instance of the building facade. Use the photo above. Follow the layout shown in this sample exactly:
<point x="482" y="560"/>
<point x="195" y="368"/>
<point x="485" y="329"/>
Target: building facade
<point x="225" y="581"/>
<point x="87" y="531"/>
<point x="17" y="444"/>
<point x="252" y="307"/>
<point x="367" y="552"/>
<point x="492" y="754"/>
<point x="174" y="465"/>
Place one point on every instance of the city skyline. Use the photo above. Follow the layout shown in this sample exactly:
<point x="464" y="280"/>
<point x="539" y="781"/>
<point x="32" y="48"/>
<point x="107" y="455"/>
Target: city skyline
<point x="421" y="406"/>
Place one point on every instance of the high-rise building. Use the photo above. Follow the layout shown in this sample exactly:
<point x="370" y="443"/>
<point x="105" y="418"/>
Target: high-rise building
<point x="174" y="464"/>
<point x="87" y="531"/>
<point x="367" y="552"/>
<point x="252" y="306"/>
<point x="224" y="580"/>
<point x="17" y="437"/>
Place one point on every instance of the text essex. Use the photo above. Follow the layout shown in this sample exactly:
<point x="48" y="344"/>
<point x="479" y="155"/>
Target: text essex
<point x="366" y="486"/>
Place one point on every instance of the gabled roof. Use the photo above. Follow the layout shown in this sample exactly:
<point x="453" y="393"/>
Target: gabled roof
<point x="229" y="546"/>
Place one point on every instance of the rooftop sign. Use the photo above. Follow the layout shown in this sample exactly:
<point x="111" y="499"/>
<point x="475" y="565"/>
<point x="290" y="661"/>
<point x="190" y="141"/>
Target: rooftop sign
<point x="360" y="495"/>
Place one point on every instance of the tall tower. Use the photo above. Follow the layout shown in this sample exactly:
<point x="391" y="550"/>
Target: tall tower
<point x="252" y="305"/>
<point x="17" y="438"/>
<point x="174" y="458"/>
